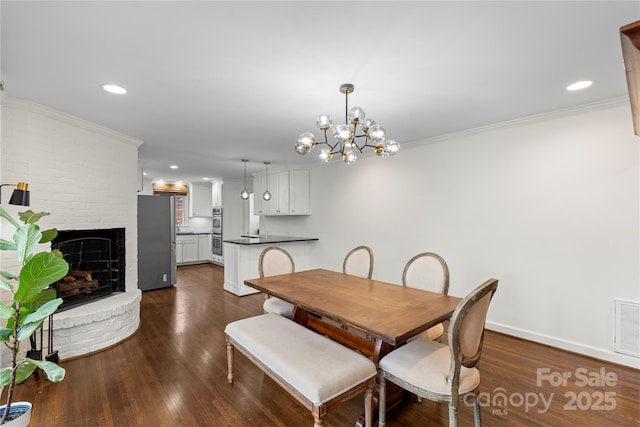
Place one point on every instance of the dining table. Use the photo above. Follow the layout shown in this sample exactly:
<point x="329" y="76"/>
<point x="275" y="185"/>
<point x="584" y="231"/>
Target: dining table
<point x="367" y="315"/>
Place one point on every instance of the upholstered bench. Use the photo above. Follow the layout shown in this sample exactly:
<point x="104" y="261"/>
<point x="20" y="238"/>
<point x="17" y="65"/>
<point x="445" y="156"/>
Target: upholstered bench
<point x="316" y="371"/>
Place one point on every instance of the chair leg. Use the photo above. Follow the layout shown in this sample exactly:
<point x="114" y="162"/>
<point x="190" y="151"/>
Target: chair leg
<point x="476" y="411"/>
<point x="382" y="403"/>
<point x="453" y="415"/>
<point x="368" y="404"/>
<point x="229" y="361"/>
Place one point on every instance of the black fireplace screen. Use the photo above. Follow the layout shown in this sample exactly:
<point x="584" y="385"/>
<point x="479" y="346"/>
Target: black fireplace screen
<point x="96" y="265"/>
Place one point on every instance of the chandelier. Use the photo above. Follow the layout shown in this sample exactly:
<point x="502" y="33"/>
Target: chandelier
<point x="348" y="141"/>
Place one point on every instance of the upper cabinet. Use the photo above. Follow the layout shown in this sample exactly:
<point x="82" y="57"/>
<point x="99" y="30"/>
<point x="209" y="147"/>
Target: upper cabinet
<point x="299" y="189"/>
<point x="200" y="199"/>
<point x="289" y="193"/>
<point x="217" y="193"/>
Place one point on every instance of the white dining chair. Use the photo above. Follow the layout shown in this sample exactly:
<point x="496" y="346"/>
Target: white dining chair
<point x="443" y="373"/>
<point x="273" y="261"/>
<point x="428" y="271"/>
<point x="359" y="262"/>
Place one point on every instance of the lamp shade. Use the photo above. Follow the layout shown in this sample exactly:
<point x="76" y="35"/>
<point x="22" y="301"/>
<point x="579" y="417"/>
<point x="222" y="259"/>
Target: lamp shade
<point x="20" y="195"/>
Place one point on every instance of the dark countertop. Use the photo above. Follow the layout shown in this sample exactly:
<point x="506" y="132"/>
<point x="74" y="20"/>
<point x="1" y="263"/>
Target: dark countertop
<point x="261" y="240"/>
<point x="189" y="233"/>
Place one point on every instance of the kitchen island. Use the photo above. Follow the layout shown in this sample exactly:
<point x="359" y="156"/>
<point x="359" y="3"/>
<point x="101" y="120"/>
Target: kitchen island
<point x="241" y="258"/>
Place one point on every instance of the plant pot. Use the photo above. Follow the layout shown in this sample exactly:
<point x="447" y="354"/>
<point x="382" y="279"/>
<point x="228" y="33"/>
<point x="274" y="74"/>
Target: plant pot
<point x="18" y="407"/>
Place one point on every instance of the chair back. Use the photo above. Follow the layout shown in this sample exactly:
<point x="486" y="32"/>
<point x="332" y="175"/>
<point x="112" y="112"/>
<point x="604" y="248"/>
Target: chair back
<point x="466" y="330"/>
<point x="359" y="262"/>
<point x="427" y="271"/>
<point x="274" y="261"/>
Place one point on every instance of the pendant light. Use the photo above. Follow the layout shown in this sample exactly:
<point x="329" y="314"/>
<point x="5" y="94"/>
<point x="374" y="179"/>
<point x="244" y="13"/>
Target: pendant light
<point x="244" y="194"/>
<point x="266" y="196"/>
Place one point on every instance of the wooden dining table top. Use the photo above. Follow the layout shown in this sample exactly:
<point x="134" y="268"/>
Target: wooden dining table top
<point x="389" y="312"/>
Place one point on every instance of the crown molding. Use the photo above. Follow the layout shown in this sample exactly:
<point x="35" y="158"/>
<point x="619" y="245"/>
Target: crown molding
<point x="32" y="107"/>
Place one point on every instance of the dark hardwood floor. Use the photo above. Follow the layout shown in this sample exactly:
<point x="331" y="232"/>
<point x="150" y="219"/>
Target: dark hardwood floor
<point x="172" y="372"/>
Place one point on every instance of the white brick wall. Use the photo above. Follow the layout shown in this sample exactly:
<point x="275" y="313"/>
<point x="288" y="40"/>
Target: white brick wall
<point x="83" y="174"/>
<point x="95" y="326"/>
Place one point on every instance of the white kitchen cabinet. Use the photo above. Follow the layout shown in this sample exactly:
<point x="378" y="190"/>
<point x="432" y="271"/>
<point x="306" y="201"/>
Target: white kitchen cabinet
<point x="279" y="188"/>
<point x="186" y="249"/>
<point x="260" y="207"/>
<point x="299" y="191"/>
<point x="216" y="188"/>
<point x="200" y="199"/>
<point x="204" y="247"/>
<point x="241" y="262"/>
<point x="290" y="191"/>
<point x="179" y="245"/>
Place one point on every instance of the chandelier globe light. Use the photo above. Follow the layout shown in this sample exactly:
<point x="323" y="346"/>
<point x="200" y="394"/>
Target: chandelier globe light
<point x="348" y="142"/>
<point x="244" y="194"/>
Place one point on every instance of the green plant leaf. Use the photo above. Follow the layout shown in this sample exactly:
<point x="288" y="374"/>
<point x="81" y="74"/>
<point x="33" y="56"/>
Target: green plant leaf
<point x="5" y="376"/>
<point x="45" y="310"/>
<point x="4" y="214"/>
<point x="26" y="330"/>
<point x="40" y="271"/>
<point x="35" y="301"/>
<point x="6" y="311"/>
<point x="5" y="334"/>
<point x="6" y="245"/>
<point x="26" y="238"/>
<point x="8" y="275"/>
<point x="48" y="235"/>
<point x="31" y="217"/>
<point x="5" y="284"/>
<point x="54" y="372"/>
<point x="24" y="371"/>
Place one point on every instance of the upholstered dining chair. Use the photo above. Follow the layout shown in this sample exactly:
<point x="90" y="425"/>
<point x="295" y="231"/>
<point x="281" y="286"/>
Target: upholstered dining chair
<point x="273" y="261"/>
<point x="428" y="271"/>
<point x="359" y="262"/>
<point x="439" y="372"/>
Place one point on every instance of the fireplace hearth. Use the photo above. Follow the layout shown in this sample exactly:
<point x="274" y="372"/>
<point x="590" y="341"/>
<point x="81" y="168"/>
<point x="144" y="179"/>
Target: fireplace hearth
<point x="96" y="265"/>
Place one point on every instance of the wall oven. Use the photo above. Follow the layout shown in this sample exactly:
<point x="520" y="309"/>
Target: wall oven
<point x="216" y="235"/>
<point x="216" y="244"/>
<point x="217" y="221"/>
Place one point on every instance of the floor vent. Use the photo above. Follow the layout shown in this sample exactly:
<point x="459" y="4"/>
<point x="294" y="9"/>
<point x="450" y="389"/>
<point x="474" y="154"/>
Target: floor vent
<point x="627" y="324"/>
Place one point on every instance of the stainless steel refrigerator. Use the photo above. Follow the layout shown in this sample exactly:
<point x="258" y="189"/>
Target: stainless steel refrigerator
<point x="156" y="242"/>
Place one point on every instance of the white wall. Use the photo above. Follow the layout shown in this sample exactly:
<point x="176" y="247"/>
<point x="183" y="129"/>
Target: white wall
<point x="84" y="175"/>
<point x="549" y="206"/>
<point x="235" y="211"/>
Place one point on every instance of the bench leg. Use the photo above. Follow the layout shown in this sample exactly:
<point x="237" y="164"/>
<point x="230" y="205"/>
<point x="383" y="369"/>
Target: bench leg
<point x="317" y="421"/>
<point x="229" y="361"/>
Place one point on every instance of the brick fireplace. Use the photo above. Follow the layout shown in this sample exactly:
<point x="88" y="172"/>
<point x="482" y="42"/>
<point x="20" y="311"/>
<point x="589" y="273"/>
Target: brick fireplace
<point x="86" y="177"/>
<point x="97" y="264"/>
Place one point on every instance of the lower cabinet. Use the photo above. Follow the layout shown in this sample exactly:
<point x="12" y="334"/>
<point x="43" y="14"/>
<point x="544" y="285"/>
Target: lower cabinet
<point x="204" y="247"/>
<point x="193" y="248"/>
<point x="241" y="262"/>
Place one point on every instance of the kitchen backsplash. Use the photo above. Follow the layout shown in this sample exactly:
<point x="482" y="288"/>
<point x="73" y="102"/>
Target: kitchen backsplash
<point x="197" y="224"/>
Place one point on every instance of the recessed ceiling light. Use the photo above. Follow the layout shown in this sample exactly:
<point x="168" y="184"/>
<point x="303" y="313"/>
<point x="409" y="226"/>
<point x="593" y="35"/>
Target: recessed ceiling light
<point x="205" y="178"/>
<point x="118" y="90"/>
<point x="582" y="84"/>
<point x="173" y="167"/>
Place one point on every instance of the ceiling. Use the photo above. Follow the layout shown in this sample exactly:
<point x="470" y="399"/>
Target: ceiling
<point x="210" y="82"/>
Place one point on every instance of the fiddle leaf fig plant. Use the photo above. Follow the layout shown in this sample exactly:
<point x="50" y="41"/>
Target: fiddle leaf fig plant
<point x="30" y="302"/>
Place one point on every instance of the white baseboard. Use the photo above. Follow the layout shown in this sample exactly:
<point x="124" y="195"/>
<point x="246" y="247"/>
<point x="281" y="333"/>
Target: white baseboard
<point x="576" y="347"/>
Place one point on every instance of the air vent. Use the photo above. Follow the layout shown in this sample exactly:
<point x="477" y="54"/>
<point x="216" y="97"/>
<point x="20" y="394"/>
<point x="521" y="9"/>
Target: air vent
<point x="627" y="324"/>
